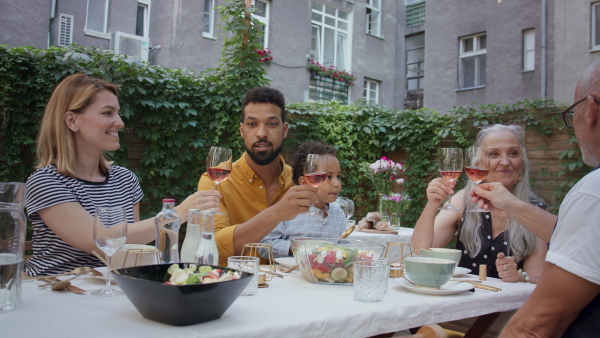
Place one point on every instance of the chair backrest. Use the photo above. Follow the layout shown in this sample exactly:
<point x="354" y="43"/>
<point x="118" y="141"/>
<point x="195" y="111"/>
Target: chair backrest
<point x="430" y="331"/>
<point x="28" y="250"/>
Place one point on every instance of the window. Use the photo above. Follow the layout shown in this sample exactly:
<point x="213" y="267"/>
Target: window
<point x="329" y="36"/>
<point x="596" y="25"/>
<point x="97" y="17"/>
<point x="408" y="2"/>
<point x="374" y="17"/>
<point x="208" y="21"/>
<point x="415" y="61"/>
<point x="528" y="50"/>
<point x="261" y="13"/>
<point x="471" y="68"/>
<point x="371" y="91"/>
<point x="142" y="26"/>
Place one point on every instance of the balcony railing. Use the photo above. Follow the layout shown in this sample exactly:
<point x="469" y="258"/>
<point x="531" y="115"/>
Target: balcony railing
<point x="326" y="89"/>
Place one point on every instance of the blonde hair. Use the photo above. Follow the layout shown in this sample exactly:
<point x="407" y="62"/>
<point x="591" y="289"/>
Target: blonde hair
<point x="521" y="242"/>
<point x="56" y="143"/>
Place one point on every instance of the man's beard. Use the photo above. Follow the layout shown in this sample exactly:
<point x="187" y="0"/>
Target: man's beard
<point x="263" y="157"/>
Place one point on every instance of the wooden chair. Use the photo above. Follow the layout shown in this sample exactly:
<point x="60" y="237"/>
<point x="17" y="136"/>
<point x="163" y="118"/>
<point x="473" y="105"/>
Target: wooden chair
<point x="28" y="250"/>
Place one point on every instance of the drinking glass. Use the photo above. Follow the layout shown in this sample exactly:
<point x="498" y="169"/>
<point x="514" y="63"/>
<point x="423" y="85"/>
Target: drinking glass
<point x="450" y="165"/>
<point x="370" y="280"/>
<point x="477" y="167"/>
<point x="315" y="173"/>
<point x="218" y="165"/>
<point x="247" y="264"/>
<point x="110" y="234"/>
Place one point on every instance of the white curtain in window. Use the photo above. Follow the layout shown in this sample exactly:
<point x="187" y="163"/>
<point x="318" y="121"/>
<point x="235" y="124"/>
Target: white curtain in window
<point x="341" y="51"/>
<point x="96" y="15"/>
<point x="315" y="43"/>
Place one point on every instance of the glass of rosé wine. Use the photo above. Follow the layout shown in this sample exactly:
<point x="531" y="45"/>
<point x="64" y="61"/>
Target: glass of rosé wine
<point x="477" y="167"/>
<point x="315" y="173"/>
<point x="450" y="165"/>
<point x="218" y="165"/>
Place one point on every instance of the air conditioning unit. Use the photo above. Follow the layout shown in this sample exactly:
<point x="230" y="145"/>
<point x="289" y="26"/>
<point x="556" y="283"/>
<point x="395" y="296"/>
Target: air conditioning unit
<point x="130" y="44"/>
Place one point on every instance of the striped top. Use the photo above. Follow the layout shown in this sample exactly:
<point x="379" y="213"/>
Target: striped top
<point x="46" y="188"/>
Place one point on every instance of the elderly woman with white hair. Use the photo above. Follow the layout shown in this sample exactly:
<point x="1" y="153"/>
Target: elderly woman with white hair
<point x="509" y="250"/>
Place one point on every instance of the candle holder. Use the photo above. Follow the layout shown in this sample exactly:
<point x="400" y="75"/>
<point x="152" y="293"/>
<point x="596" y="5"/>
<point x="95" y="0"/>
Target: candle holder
<point x="139" y="256"/>
<point x="399" y="250"/>
<point x="263" y="251"/>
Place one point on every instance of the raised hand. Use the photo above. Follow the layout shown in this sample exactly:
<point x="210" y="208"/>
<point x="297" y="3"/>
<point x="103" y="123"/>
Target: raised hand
<point x="439" y="189"/>
<point x="298" y="199"/>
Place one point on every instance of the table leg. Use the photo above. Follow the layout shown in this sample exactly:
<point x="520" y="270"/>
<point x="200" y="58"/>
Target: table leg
<point x="481" y="325"/>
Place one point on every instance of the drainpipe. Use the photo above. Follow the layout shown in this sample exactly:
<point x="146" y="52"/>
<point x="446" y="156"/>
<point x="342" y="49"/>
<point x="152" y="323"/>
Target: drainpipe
<point x="544" y="46"/>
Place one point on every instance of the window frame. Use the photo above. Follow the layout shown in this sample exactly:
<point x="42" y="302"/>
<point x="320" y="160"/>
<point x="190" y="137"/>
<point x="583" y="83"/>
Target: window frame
<point x="477" y="51"/>
<point x="146" y="23"/>
<point x="322" y="27"/>
<point x="370" y="6"/>
<point x="595" y="27"/>
<point x="367" y="88"/>
<point x="420" y="79"/>
<point x="95" y="33"/>
<point x="264" y="20"/>
<point x="528" y="38"/>
<point x="211" y="25"/>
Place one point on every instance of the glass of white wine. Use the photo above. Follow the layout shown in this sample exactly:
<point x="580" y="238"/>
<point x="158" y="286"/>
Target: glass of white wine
<point x="110" y="234"/>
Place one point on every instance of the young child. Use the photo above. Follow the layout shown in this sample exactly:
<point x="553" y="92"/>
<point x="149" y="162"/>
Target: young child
<point x="332" y="222"/>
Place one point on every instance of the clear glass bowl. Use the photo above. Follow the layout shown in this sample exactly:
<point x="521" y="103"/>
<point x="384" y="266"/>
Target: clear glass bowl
<point x="331" y="260"/>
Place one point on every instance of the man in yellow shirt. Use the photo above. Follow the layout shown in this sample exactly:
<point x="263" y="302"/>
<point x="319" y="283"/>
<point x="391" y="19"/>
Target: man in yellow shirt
<point x="259" y="193"/>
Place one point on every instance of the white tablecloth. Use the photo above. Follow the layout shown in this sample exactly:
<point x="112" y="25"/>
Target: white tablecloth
<point x="290" y="307"/>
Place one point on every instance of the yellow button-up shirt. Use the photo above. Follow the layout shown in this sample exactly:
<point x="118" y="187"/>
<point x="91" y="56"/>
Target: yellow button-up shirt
<point x="243" y="196"/>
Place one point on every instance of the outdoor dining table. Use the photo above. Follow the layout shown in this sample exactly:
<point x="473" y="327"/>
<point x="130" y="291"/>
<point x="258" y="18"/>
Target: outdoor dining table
<point x="403" y="236"/>
<point x="289" y="307"/>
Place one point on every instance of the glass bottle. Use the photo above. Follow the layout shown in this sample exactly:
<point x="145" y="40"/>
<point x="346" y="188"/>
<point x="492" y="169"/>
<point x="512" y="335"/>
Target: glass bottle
<point x="192" y="236"/>
<point x="167" y="223"/>
<point x="207" y="252"/>
<point x="12" y="243"/>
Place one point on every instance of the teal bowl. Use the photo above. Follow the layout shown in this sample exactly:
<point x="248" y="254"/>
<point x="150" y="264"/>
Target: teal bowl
<point x="451" y="254"/>
<point x="429" y="272"/>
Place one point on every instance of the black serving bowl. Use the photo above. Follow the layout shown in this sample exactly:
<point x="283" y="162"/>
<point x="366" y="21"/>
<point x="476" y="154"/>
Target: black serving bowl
<point x="177" y="305"/>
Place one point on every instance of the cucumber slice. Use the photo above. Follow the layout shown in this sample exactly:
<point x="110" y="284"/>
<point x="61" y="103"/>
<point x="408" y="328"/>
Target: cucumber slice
<point x="205" y="268"/>
<point x="339" y="274"/>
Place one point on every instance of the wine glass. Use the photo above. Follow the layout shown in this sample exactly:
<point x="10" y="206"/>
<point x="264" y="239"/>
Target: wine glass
<point x="450" y="165"/>
<point x="218" y="165"/>
<point x="315" y="173"/>
<point x="477" y="166"/>
<point x="110" y="234"/>
<point x="349" y="207"/>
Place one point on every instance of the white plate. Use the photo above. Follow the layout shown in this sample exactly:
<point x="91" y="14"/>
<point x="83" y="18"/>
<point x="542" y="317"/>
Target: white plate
<point x="449" y="288"/>
<point x="458" y="271"/>
<point x="286" y="261"/>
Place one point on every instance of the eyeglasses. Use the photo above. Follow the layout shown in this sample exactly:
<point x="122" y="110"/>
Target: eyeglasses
<point x="569" y="113"/>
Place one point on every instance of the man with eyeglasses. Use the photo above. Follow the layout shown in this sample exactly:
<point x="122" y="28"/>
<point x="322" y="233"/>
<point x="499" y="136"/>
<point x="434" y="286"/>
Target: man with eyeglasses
<point x="566" y="300"/>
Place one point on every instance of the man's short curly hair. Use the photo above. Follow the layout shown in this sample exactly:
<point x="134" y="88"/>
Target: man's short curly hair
<point x="314" y="147"/>
<point x="264" y="95"/>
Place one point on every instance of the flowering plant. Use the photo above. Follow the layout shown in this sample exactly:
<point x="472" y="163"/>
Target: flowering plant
<point x="397" y="203"/>
<point x="383" y="173"/>
<point x="265" y="55"/>
<point x="331" y="72"/>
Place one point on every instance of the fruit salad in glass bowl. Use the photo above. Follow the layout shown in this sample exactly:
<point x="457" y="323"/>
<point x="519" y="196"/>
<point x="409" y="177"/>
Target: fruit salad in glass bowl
<point x="331" y="260"/>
